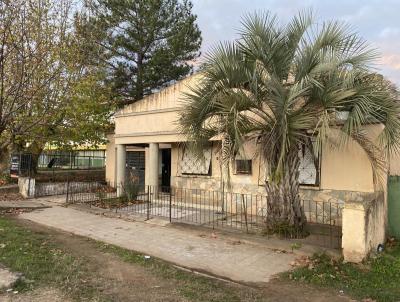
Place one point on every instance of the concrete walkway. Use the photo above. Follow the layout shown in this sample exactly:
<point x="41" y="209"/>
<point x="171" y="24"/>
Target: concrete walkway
<point x="198" y="250"/>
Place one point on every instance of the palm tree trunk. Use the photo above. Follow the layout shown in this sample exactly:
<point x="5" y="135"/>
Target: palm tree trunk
<point x="285" y="214"/>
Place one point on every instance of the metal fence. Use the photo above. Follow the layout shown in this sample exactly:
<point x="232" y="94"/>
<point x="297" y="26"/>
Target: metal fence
<point x="28" y="165"/>
<point x="244" y="212"/>
<point x="70" y="161"/>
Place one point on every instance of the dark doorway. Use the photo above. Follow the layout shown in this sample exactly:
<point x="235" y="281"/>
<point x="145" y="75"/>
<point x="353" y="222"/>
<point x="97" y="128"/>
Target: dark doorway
<point x="166" y="169"/>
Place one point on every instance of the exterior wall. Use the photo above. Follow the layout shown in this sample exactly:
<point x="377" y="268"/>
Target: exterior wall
<point x="343" y="172"/>
<point x="394" y="165"/>
<point x="110" y="159"/>
<point x="154" y="119"/>
<point x="346" y="176"/>
<point x="154" y="116"/>
<point x="348" y="168"/>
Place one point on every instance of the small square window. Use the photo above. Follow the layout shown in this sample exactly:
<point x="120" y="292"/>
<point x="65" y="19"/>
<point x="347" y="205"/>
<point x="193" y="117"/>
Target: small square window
<point x="243" y="166"/>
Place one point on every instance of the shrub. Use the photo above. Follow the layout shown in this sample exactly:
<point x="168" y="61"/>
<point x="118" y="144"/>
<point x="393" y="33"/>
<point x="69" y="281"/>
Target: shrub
<point x="130" y="190"/>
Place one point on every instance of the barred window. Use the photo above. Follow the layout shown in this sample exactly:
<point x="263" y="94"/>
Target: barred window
<point x="309" y="166"/>
<point x="243" y="166"/>
<point x="191" y="164"/>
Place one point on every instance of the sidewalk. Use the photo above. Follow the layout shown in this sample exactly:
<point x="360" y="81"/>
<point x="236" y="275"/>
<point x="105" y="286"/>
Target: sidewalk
<point x="195" y="249"/>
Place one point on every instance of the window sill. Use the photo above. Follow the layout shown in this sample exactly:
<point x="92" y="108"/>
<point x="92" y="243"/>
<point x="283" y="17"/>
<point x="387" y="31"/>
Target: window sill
<point x="310" y="187"/>
<point x="195" y="176"/>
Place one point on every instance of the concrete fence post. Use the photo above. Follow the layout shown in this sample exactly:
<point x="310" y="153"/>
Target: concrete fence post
<point x="364" y="226"/>
<point x="26" y="187"/>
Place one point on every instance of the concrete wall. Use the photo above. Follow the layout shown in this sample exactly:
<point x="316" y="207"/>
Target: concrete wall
<point x="343" y="170"/>
<point x="394" y="165"/>
<point x="153" y="119"/>
<point x="364" y="226"/>
<point x="26" y="187"/>
<point x="348" y="167"/>
<point x="110" y="159"/>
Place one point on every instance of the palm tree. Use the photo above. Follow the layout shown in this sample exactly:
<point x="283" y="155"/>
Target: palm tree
<point x="290" y="87"/>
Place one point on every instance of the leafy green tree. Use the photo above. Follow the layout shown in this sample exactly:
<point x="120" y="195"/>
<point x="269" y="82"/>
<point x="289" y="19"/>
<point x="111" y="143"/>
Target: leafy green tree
<point x="285" y="86"/>
<point x="145" y="43"/>
<point x="49" y="93"/>
<point x="81" y="115"/>
<point x="33" y="78"/>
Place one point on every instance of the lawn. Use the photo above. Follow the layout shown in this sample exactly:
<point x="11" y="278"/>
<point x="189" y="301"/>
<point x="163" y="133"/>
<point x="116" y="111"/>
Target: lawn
<point x="82" y="269"/>
<point x="91" y="271"/>
<point x="378" y="278"/>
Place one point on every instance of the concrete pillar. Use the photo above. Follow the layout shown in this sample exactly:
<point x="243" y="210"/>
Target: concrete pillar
<point x="26" y="187"/>
<point x="354" y="232"/>
<point x="153" y="166"/>
<point x="363" y="226"/>
<point x="120" y="167"/>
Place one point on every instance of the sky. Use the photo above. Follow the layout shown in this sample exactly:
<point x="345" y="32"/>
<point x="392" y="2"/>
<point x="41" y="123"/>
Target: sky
<point x="377" y="21"/>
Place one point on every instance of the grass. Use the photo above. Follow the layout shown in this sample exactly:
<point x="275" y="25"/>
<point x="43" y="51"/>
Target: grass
<point x="377" y="278"/>
<point x="192" y="287"/>
<point x="42" y="262"/>
<point x="46" y="263"/>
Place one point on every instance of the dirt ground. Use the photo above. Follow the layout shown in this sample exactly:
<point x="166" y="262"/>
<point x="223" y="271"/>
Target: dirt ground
<point x="39" y="295"/>
<point x="10" y="196"/>
<point x="132" y="282"/>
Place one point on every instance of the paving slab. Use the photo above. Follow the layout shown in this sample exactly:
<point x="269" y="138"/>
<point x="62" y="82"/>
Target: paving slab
<point x="205" y="252"/>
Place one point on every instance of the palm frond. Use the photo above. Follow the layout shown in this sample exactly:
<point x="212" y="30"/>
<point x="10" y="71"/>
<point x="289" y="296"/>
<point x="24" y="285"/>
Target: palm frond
<point x="287" y="85"/>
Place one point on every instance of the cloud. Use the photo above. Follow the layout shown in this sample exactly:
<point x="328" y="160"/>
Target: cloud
<point x="391" y="60"/>
<point x="375" y="20"/>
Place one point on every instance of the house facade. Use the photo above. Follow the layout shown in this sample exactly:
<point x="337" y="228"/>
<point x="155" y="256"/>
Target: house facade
<point x="147" y="141"/>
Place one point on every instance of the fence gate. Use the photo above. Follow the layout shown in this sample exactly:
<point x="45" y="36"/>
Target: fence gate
<point x="394" y="205"/>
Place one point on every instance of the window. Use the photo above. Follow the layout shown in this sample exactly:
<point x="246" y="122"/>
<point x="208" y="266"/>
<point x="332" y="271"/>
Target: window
<point x="243" y="166"/>
<point x="309" y="166"/>
<point x="191" y="164"/>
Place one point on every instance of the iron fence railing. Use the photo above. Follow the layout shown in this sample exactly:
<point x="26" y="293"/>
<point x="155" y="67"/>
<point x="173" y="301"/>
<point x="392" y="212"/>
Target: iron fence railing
<point x="70" y="161"/>
<point x="240" y="211"/>
<point x="28" y="164"/>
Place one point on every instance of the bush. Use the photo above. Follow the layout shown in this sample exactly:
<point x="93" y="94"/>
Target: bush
<point x="5" y="179"/>
<point x="130" y="190"/>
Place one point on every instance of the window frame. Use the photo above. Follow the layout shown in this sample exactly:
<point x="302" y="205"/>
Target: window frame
<point x="242" y="172"/>
<point x="209" y="173"/>
<point x="317" y="170"/>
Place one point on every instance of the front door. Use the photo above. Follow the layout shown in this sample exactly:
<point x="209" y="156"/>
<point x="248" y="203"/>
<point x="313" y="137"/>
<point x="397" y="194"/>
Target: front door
<point x="166" y="169"/>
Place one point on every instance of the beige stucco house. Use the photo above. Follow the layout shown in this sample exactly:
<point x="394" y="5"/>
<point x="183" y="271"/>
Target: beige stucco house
<point x="147" y="139"/>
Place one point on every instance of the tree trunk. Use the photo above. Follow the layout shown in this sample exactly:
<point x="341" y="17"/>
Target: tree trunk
<point x="285" y="214"/>
<point x="139" y="78"/>
<point x="4" y="160"/>
<point x="35" y="149"/>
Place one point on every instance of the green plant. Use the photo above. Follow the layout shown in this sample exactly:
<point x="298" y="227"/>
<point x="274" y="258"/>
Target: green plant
<point x="377" y="278"/>
<point x="295" y="246"/>
<point x="5" y="179"/>
<point x="130" y="190"/>
<point x="290" y="88"/>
